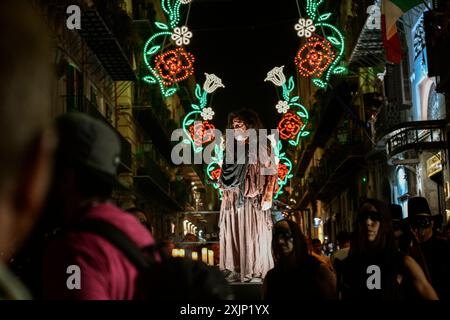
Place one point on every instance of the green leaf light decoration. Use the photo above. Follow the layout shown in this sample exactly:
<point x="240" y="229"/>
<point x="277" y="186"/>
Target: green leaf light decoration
<point x="292" y="125"/>
<point x="154" y="44"/>
<point x="196" y="125"/>
<point x="320" y="59"/>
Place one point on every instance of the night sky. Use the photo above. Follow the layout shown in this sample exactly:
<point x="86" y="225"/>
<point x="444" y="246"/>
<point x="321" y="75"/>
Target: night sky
<point x="240" y="41"/>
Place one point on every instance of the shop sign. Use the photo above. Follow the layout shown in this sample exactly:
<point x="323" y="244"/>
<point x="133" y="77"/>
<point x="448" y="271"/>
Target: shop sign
<point x="434" y="164"/>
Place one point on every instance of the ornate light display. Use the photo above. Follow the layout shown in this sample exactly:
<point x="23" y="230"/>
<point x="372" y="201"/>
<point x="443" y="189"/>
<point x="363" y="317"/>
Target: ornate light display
<point x="200" y="131"/>
<point x="214" y="170"/>
<point x="291" y="126"/>
<point x="295" y="116"/>
<point x="320" y="56"/>
<point x="305" y="27"/>
<point x="314" y="57"/>
<point x="174" y="66"/>
<point x="181" y="36"/>
<point x="171" y="66"/>
<point x="284" y="169"/>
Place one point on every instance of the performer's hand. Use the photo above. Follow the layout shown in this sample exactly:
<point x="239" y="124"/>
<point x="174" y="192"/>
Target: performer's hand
<point x="266" y="205"/>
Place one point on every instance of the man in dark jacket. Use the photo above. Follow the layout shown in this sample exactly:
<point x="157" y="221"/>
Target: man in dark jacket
<point x="430" y="251"/>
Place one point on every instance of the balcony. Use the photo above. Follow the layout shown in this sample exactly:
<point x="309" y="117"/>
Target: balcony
<point x="368" y="47"/>
<point x="152" y="182"/>
<point x="157" y="126"/>
<point x="325" y="116"/>
<point x="415" y="135"/>
<point x="105" y="46"/>
<point x="334" y="170"/>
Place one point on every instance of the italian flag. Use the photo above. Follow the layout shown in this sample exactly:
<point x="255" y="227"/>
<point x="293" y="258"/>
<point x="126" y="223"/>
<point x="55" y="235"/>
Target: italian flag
<point x="391" y="11"/>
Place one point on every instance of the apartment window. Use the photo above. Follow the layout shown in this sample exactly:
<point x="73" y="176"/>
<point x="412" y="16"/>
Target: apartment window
<point x="74" y="89"/>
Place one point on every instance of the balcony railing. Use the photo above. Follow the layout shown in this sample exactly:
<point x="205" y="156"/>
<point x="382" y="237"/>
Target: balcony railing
<point x="105" y="46"/>
<point x="416" y="135"/>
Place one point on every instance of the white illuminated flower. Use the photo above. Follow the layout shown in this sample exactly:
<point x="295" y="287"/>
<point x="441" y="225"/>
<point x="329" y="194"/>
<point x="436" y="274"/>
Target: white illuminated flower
<point x="207" y="114"/>
<point x="276" y="75"/>
<point x="185" y="1"/>
<point x="181" y="35"/>
<point x="212" y="82"/>
<point x="282" y="106"/>
<point x="305" y="27"/>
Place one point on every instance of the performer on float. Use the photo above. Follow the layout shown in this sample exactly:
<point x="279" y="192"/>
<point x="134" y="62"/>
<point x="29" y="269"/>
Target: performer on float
<point x="247" y="190"/>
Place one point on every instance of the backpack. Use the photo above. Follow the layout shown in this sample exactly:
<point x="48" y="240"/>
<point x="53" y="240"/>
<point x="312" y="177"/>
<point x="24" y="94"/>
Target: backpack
<point x="170" y="278"/>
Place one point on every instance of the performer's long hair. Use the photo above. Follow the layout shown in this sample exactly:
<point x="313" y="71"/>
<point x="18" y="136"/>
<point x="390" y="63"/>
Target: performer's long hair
<point x="248" y="116"/>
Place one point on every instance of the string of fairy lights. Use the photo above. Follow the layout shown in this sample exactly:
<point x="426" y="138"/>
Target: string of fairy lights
<point x="318" y="59"/>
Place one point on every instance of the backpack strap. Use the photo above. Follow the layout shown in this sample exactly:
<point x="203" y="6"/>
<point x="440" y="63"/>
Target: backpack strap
<point x="119" y="239"/>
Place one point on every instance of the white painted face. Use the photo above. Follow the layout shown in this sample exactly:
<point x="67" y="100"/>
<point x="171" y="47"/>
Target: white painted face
<point x="240" y="129"/>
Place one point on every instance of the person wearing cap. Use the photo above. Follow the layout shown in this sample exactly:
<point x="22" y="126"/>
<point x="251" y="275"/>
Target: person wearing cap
<point x="402" y="233"/>
<point x="430" y="251"/>
<point x="85" y="171"/>
<point x="374" y="255"/>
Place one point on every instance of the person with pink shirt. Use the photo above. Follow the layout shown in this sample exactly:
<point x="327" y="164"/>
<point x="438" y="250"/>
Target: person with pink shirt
<point x="80" y="264"/>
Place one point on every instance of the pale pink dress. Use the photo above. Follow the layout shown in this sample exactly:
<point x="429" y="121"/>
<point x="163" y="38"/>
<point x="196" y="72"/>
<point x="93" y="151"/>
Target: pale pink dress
<point x="246" y="232"/>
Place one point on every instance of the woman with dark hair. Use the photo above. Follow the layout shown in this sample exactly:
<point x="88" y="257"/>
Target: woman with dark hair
<point x="297" y="275"/>
<point x="245" y="218"/>
<point x="375" y="268"/>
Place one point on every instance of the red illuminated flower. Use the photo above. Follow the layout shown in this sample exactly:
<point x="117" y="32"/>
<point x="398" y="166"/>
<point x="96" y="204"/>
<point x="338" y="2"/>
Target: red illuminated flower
<point x="174" y="65"/>
<point x="202" y="132"/>
<point x="282" y="171"/>
<point x="314" y="57"/>
<point x="277" y="187"/>
<point x="215" y="174"/>
<point x="289" y="126"/>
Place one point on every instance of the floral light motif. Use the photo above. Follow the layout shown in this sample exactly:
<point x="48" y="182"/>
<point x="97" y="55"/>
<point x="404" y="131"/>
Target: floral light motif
<point x="181" y="36"/>
<point x="293" y="123"/>
<point x="305" y="27"/>
<point x="207" y="114"/>
<point x="290" y="126"/>
<point x="282" y="106"/>
<point x="174" y="65"/>
<point x="212" y="83"/>
<point x="213" y="170"/>
<point x="215" y="174"/>
<point x="166" y="70"/>
<point x="197" y="132"/>
<point x="319" y="58"/>
<point x="282" y="171"/>
<point x="314" y="57"/>
<point x="276" y="76"/>
<point x="284" y="166"/>
<point x="202" y="132"/>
